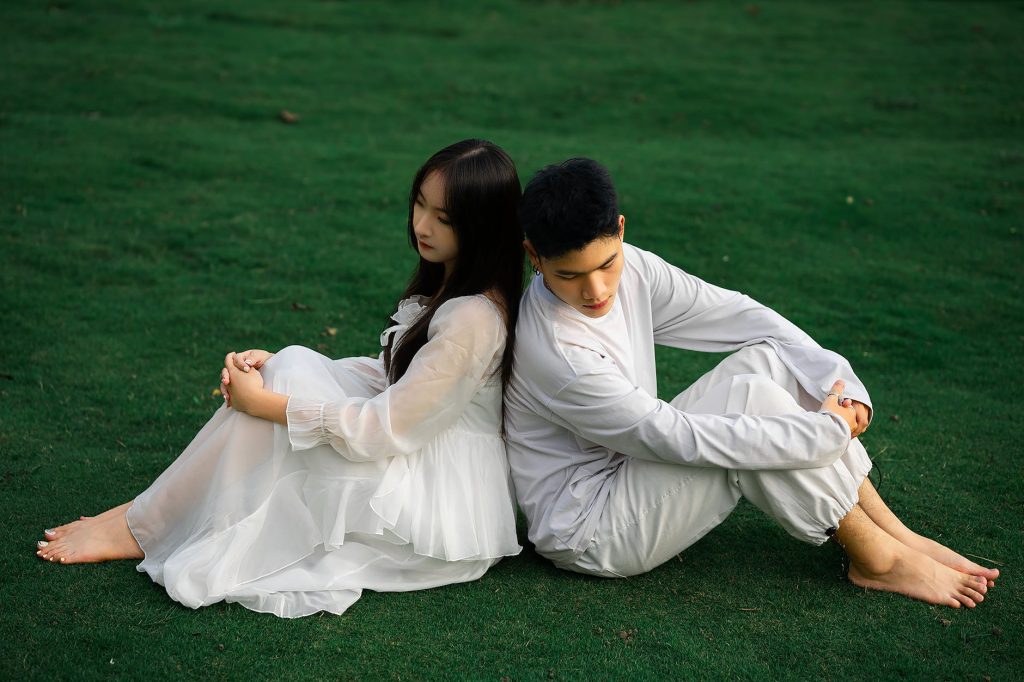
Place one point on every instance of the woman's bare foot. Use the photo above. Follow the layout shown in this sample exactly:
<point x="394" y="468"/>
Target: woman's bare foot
<point x="100" y="538"/>
<point x="52" y="534"/>
<point x="57" y="531"/>
<point x="881" y="562"/>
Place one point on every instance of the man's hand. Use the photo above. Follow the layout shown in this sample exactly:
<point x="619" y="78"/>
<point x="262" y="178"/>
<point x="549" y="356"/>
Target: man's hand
<point x="863" y="417"/>
<point x="844" y="409"/>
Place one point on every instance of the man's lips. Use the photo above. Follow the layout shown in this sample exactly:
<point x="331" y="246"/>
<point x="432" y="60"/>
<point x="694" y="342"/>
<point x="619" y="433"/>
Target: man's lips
<point x="597" y="306"/>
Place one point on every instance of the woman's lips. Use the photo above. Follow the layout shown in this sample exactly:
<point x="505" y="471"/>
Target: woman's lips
<point x="424" y="245"/>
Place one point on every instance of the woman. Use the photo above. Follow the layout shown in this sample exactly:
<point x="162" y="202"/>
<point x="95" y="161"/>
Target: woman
<point x="320" y="478"/>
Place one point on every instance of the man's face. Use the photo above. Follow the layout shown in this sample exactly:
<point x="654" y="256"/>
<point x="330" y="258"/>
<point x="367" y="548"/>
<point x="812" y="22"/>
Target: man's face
<point x="587" y="279"/>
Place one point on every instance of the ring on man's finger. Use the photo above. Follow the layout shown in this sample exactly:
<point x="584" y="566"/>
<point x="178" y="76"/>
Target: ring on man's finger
<point x="836" y="395"/>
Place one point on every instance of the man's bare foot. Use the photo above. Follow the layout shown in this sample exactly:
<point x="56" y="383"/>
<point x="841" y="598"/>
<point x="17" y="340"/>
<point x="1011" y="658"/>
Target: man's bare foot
<point x="881" y="562"/>
<point x="898" y="568"/>
<point x="53" y="533"/>
<point x="947" y="557"/>
<point x="879" y="512"/>
<point x="100" y="538"/>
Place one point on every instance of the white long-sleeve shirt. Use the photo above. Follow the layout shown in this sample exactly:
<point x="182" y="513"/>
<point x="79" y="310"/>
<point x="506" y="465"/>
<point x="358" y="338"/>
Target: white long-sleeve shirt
<point x="583" y="394"/>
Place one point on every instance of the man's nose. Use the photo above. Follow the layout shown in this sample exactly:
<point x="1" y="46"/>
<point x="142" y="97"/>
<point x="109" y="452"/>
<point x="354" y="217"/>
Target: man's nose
<point x="594" y="288"/>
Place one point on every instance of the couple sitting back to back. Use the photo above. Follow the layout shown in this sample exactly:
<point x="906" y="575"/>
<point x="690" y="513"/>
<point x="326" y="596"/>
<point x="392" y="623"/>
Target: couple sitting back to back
<point x="320" y="478"/>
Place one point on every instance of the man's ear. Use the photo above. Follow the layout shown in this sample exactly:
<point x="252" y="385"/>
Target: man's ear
<point x="532" y="253"/>
<point x="622" y="226"/>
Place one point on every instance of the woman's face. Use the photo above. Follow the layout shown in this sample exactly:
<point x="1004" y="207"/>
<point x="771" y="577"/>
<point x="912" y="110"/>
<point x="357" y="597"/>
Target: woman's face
<point x="435" y="238"/>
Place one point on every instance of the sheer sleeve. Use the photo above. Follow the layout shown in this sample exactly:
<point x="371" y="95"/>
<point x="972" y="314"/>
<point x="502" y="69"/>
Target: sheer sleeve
<point x="465" y="338"/>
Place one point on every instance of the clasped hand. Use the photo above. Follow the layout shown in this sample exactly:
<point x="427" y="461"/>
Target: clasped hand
<point x="240" y="380"/>
<point x="854" y="413"/>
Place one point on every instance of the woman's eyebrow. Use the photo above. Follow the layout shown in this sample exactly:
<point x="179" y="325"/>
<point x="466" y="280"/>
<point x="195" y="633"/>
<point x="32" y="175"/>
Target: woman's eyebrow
<point x="423" y="200"/>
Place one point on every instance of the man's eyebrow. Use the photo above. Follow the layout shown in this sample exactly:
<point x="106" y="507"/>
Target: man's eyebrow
<point x="566" y="273"/>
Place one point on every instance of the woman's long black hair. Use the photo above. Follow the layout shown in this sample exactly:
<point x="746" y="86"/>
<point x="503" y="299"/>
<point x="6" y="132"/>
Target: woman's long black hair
<point x="481" y="198"/>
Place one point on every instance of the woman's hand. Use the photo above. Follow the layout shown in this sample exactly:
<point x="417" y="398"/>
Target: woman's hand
<point x="249" y="395"/>
<point x="835" y="402"/>
<point x="244" y="361"/>
<point x="253" y="358"/>
<point x="246" y="385"/>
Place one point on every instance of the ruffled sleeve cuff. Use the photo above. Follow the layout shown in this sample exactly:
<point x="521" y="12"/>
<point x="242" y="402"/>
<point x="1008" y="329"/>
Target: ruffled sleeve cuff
<point x="305" y="423"/>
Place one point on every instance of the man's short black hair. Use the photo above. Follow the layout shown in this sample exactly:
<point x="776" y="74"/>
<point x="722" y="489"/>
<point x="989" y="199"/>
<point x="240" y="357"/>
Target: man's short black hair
<point x="568" y="205"/>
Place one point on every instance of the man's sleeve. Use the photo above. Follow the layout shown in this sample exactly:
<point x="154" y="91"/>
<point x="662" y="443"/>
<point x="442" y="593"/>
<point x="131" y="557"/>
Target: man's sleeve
<point x="603" y="407"/>
<point x="692" y="314"/>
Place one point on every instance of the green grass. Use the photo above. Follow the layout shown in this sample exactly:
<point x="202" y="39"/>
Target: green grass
<point x="857" y="167"/>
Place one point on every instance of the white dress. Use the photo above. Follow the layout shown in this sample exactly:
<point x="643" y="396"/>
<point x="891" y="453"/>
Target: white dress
<point x="370" y="486"/>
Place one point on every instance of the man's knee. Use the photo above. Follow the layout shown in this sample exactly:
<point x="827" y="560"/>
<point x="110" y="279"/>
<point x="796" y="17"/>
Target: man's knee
<point x="759" y="358"/>
<point x="761" y="395"/>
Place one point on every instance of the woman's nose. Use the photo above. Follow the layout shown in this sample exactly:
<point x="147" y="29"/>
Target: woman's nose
<point x="421" y="226"/>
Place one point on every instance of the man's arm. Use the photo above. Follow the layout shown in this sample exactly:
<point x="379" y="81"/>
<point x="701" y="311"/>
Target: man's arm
<point x="603" y="407"/>
<point x="692" y="314"/>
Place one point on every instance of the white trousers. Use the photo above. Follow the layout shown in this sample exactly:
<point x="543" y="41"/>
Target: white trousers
<point x="656" y="510"/>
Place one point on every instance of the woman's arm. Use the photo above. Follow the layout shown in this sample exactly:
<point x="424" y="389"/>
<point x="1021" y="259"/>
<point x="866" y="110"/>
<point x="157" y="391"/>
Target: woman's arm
<point x="245" y="361"/>
<point x="248" y="394"/>
<point x="465" y="337"/>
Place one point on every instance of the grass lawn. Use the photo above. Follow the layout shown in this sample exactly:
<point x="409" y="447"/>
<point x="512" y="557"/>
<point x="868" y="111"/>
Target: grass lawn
<point x="856" y="166"/>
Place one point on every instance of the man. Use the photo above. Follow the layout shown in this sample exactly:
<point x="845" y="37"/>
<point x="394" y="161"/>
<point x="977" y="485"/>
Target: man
<point x="614" y="481"/>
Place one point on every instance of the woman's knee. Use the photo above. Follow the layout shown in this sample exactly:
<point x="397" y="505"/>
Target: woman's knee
<point x="293" y="353"/>
<point x="290" y="362"/>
